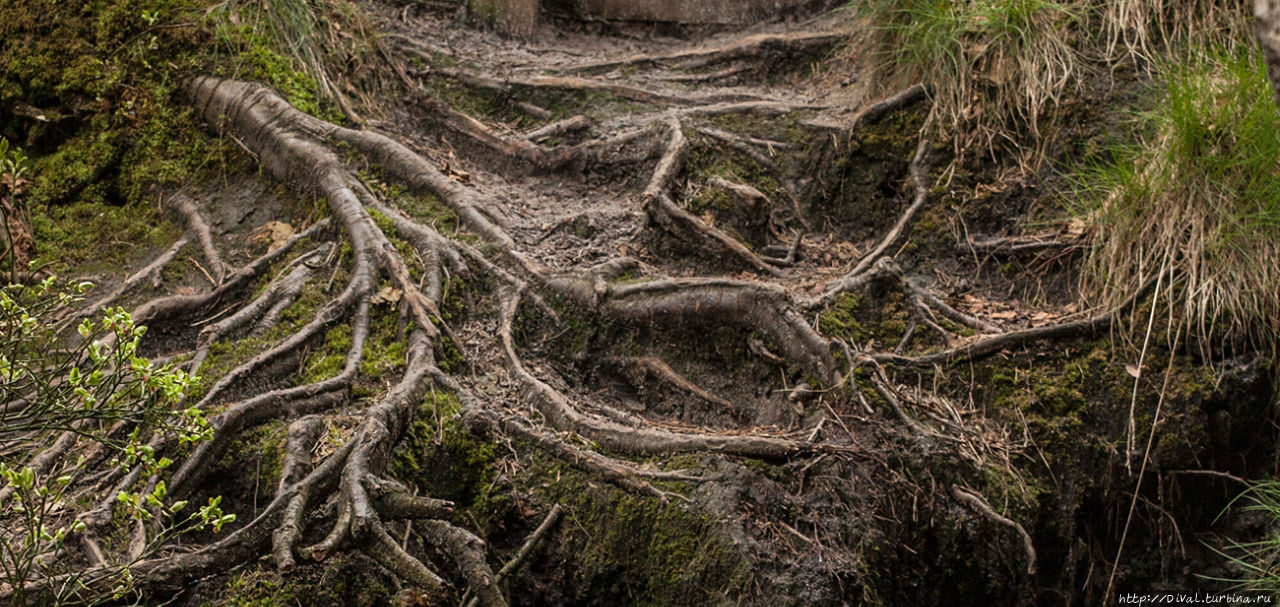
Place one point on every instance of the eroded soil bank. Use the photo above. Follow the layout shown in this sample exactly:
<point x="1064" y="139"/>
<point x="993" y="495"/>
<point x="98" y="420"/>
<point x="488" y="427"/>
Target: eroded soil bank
<point x="729" y="309"/>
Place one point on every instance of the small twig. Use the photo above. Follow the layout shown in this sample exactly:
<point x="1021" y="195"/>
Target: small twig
<point x="203" y="271"/>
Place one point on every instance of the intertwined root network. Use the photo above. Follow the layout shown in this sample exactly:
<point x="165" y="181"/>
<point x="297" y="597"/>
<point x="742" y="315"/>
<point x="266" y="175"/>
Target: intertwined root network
<point x="773" y="299"/>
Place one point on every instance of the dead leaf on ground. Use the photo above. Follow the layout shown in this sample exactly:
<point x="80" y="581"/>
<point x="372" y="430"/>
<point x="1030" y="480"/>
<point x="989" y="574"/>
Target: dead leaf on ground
<point x="389" y="295"/>
<point x="272" y="234"/>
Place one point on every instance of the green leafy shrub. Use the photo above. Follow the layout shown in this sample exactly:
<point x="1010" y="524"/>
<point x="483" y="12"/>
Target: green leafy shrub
<point x="68" y="410"/>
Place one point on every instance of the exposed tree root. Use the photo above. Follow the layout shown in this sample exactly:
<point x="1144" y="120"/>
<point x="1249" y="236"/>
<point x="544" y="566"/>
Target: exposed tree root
<point x="975" y="500"/>
<point x="856" y="277"/>
<point x="150" y="271"/>
<point x="561" y="127"/>
<point x="195" y="223"/>
<point x="1088" y="327"/>
<point x="674" y="218"/>
<point x="530" y="543"/>
<point x="561" y="414"/>
<point x="644" y="366"/>
<point x="573" y="83"/>
<point x="750" y="47"/>
<point x="899" y="100"/>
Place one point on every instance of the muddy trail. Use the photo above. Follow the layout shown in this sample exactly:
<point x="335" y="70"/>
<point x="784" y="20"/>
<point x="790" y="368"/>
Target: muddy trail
<point x="639" y="314"/>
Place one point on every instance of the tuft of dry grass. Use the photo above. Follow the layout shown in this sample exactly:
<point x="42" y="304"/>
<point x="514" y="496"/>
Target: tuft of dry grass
<point x="1199" y="193"/>
<point x="993" y="67"/>
<point x="327" y="40"/>
<point x="998" y="69"/>
<point x="1146" y="30"/>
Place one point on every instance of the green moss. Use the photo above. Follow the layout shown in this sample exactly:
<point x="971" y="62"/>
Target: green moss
<point x="97" y="235"/>
<point x="707" y="161"/>
<point x="327" y="360"/>
<point x="223" y="357"/>
<point x="343" y="579"/>
<point x="840" y="320"/>
<point x="881" y="316"/>
<point x="384" y="351"/>
<point x="105" y="77"/>
<point x="710" y="199"/>
<point x="444" y="460"/>
<point x="785" y="128"/>
<point x="260" y="449"/>
<point x="642" y="551"/>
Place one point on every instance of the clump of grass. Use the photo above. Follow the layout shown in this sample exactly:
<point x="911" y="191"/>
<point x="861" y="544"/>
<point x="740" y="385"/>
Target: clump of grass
<point x="994" y="66"/>
<point x="999" y="69"/>
<point x="1259" y="562"/>
<point x="299" y="45"/>
<point x="1199" y="194"/>
<point x="1147" y="29"/>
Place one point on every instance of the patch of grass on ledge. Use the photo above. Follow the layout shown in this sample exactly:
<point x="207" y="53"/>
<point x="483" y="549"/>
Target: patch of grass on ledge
<point x="1197" y="192"/>
<point x="999" y="69"/>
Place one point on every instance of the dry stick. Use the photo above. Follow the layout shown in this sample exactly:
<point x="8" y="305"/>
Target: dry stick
<point x="1151" y="436"/>
<point x="676" y="219"/>
<point x="975" y="500"/>
<point x="919" y="181"/>
<point x="1212" y="473"/>
<point x="529" y="544"/>
<point x="983" y="347"/>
